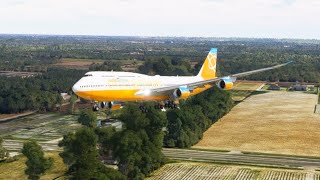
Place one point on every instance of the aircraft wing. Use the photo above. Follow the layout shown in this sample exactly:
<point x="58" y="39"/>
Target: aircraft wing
<point x="191" y="86"/>
<point x="260" y="70"/>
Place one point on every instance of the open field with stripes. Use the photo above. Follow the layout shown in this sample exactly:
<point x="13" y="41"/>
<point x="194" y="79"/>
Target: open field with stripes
<point x="46" y="129"/>
<point x="272" y="122"/>
<point x="199" y="171"/>
<point x="243" y="89"/>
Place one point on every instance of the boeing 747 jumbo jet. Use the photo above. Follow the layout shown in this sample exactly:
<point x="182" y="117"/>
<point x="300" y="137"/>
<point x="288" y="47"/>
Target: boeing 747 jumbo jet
<point x="110" y="89"/>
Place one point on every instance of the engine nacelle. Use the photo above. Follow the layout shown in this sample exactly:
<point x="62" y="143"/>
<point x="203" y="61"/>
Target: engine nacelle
<point x="101" y="105"/>
<point x="225" y="84"/>
<point x="109" y="105"/>
<point x="181" y="93"/>
<point x="117" y="105"/>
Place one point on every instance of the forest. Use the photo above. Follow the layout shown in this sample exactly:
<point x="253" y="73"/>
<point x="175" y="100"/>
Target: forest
<point x="41" y="92"/>
<point x="137" y="147"/>
<point x="19" y="52"/>
<point x="164" y="56"/>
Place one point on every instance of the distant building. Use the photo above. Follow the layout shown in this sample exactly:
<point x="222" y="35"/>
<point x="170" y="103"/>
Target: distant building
<point x="112" y="122"/>
<point x="299" y="87"/>
<point x="274" y="87"/>
<point x="65" y="96"/>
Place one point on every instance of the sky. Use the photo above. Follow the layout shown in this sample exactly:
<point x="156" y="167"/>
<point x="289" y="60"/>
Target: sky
<point x="191" y="18"/>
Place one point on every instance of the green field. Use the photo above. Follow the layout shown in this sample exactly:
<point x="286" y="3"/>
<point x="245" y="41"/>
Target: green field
<point x="15" y="169"/>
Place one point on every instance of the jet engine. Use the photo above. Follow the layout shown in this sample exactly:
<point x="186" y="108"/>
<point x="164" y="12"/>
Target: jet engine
<point x="225" y="84"/>
<point x="107" y="105"/>
<point x="114" y="105"/>
<point x="181" y="93"/>
<point x="101" y="105"/>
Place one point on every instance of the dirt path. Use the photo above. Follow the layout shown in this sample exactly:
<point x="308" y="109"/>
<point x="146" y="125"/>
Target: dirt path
<point x="8" y="117"/>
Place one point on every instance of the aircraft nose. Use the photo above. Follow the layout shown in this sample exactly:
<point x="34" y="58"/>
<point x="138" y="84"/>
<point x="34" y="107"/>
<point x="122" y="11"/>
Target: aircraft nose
<point x="75" y="88"/>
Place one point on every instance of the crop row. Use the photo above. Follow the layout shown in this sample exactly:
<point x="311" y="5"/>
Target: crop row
<point x="190" y="171"/>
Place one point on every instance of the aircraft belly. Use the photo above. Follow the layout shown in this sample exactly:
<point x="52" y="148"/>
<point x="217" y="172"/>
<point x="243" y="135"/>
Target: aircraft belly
<point x="118" y="95"/>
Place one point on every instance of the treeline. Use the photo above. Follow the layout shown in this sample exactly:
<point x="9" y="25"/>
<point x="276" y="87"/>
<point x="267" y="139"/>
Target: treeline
<point x="235" y="55"/>
<point x="187" y="124"/>
<point x="166" y="66"/>
<point x="41" y="92"/>
<point x="305" y="67"/>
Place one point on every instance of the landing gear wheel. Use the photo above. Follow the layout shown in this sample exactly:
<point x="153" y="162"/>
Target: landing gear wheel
<point x="95" y="108"/>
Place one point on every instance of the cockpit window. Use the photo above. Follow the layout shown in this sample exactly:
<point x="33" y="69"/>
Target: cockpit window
<point x="87" y="75"/>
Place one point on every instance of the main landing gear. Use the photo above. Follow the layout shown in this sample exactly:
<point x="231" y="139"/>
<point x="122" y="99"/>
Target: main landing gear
<point x="160" y="106"/>
<point x="166" y="105"/>
<point x="143" y="108"/>
<point x="95" y="107"/>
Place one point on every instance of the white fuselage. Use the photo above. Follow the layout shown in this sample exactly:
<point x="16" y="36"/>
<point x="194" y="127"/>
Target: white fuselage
<point x="110" y="86"/>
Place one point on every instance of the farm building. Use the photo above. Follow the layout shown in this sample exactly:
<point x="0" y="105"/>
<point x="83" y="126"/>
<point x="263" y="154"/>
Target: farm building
<point x="299" y="87"/>
<point x="274" y="87"/>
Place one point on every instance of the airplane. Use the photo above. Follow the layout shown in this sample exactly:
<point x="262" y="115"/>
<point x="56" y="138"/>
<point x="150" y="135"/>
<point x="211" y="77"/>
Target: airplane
<point x="110" y="89"/>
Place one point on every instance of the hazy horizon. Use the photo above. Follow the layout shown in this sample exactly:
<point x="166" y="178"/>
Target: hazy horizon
<point x="274" y="19"/>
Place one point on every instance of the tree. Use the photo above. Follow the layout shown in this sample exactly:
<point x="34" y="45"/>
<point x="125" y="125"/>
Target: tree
<point x="106" y="139"/>
<point x="196" y="114"/>
<point x="3" y="152"/>
<point x="88" y="118"/>
<point x="166" y="66"/>
<point x="138" y="146"/>
<point x="72" y="102"/>
<point x="82" y="157"/>
<point x="59" y="101"/>
<point x="37" y="164"/>
<point x="106" y="66"/>
<point x="80" y="153"/>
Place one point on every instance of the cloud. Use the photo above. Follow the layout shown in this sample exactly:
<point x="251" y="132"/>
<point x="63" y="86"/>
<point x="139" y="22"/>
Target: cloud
<point x="249" y="18"/>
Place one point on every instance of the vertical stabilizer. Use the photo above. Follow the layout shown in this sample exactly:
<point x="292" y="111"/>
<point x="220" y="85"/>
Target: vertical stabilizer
<point x="208" y="69"/>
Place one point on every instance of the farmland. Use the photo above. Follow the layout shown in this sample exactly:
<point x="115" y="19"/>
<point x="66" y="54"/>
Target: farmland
<point x="248" y="85"/>
<point x="126" y="65"/>
<point x="272" y="122"/>
<point x="243" y="89"/>
<point x="176" y="171"/>
<point x="47" y="129"/>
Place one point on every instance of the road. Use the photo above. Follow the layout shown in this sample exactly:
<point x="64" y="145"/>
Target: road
<point x="246" y="159"/>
